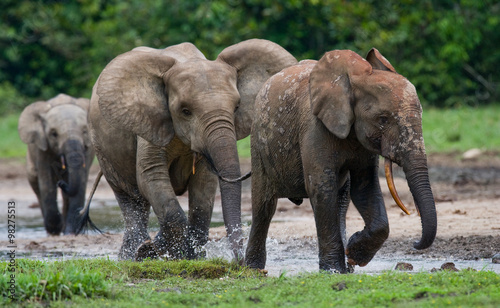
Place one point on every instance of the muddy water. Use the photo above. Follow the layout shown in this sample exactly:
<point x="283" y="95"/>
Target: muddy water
<point x="289" y="256"/>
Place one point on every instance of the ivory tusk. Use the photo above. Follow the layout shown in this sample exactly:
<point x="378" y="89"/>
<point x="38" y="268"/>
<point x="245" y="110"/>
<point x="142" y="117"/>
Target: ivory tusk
<point x="63" y="163"/>
<point x="390" y="184"/>
<point x="194" y="162"/>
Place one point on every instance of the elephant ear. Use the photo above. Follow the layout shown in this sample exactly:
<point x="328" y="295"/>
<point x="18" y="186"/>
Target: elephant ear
<point x="255" y="61"/>
<point x="331" y="91"/>
<point x="83" y="103"/>
<point x="63" y="99"/>
<point x="378" y="61"/>
<point x="30" y="125"/>
<point x="131" y="94"/>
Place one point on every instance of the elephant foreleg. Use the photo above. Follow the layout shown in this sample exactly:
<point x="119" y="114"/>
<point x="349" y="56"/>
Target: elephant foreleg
<point x="202" y="188"/>
<point x="47" y="196"/>
<point x="264" y="204"/>
<point x="367" y="197"/>
<point x="154" y="183"/>
<point x="324" y="197"/>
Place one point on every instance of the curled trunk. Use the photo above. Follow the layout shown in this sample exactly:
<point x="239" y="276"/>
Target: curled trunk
<point x="418" y="180"/>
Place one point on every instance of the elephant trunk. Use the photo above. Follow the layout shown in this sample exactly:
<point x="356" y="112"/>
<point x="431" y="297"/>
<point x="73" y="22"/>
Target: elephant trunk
<point x="223" y="156"/>
<point x="74" y="161"/>
<point x="417" y="175"/>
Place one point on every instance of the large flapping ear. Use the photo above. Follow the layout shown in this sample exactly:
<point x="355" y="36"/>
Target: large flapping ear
<point x="331" y="91"/>
<point x="255" y="61"/>
<point x="131" y="94"/>
<point x="378" y="61"/>
<point x="30" y="125"/>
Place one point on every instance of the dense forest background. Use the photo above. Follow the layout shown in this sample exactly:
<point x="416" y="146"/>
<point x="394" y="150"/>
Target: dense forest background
<point x="447" y="49"/>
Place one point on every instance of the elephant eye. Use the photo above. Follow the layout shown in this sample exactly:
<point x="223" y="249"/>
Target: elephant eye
<point x="53" y="133"/>
<point x="186" y="111"/>
<point x="237" y="107"/>
<point x="382" y="121"/>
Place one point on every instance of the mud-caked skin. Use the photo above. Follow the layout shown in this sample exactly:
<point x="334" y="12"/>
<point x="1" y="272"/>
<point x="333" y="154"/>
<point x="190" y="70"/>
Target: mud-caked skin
<point x="59" y="154"/>
<point x="318" y="130"/>
<point x="166" y="121"/>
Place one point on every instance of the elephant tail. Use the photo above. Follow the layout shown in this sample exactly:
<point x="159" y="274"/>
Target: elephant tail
<point x="85" y="222"/>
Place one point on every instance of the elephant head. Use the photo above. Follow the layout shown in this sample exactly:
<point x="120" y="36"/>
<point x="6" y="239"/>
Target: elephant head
<point x="161" y="93"/>
<point x="385" y="113"/>
<point x="58" y="128"/>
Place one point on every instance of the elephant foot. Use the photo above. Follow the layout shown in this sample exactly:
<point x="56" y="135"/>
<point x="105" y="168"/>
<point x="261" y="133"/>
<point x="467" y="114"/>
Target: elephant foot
<point x="131" y="244"/>
<point x="176" y="248"/>
<point x="362" y="248"/>
<point x="146" y="250"/>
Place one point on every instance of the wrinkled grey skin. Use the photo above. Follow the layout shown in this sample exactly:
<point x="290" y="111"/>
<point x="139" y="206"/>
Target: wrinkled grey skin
<point x="56" y="131"/>
<point x="319" y="125"/>
<point x="151" y="111"/>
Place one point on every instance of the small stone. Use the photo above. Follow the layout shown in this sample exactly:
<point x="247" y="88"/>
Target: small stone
<point x="496" y="258"/>
<point x="402" y="266"/>
<point x="472" y="154"/>
<point x="449" y="266"/>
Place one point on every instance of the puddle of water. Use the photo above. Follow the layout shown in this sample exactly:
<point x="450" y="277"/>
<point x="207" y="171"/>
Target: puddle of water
<point x="105" y="214"/>
<point x="291" y="256"/>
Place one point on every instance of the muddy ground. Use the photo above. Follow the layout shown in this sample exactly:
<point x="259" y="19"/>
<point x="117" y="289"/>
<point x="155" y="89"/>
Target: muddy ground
<point x="467" y="194"/>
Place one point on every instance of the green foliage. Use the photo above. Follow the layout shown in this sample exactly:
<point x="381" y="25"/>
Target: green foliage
<point x="40" y="281"/>
<point x="461" y="129"/>
<point x="446" y="48"/>
<point x="101" y="282"/>
<point x="10" y="143"/>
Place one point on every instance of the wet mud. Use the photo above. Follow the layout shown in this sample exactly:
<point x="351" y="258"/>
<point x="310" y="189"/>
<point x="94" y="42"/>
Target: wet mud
<point x="467" y="194"/>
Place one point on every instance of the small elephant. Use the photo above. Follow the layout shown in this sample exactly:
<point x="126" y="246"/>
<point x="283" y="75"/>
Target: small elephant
<point x="321" y="125"/>
<point x="59" y="152"/>
<point x="164" y="121"/>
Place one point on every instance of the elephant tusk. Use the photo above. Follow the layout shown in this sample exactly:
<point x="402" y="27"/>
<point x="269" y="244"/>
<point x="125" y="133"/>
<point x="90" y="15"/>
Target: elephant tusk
<point x="63" y="163"/>
<point x="194" y="161"/>
<point x="392" y="187"/>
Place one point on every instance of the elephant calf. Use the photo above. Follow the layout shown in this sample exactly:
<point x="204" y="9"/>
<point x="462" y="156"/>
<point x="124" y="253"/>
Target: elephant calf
<point x="166" y="121"/>
<point x="59" y="154"/>
<point x="320" y="124"/>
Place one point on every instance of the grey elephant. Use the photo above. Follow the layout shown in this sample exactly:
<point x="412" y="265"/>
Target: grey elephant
<point x="322" y="124"/>
<point x="164" y="121"/>
<point x="60" y="154"/>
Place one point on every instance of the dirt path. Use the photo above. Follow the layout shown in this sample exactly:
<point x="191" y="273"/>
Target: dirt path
<point x="467" y="194"/>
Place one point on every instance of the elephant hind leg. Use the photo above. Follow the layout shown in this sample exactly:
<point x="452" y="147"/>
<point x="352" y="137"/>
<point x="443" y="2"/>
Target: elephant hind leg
<point x="135" y="212"/>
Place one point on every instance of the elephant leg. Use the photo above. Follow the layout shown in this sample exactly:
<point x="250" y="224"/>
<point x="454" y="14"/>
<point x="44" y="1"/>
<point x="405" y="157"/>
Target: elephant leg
<point x="154" y="183"/>
<point x="367" y="197"/>
<point x="65" y="209"/>
<point x="324" y="199"/>
<point x="343" y="200"/>
<point x="135" y="212"/>
<point x="202" y="189"/>
<point x="264" y="204"/>
<point x="46" y="189"/>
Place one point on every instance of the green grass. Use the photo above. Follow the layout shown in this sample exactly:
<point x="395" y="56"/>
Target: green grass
<point x="462" y="129"/>
<point x="10" y="143"/>
<point x="445" y="130"/>
<point x="102" y="282"/>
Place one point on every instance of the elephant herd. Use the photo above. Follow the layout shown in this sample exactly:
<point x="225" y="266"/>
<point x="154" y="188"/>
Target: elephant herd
<point x="165" y="121"/>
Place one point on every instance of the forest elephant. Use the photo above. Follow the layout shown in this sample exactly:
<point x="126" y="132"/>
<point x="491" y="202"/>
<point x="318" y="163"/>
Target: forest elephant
<point x="319" y="128"/>
<point x="59" y="154"/>
<point x="166" y="121"/>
